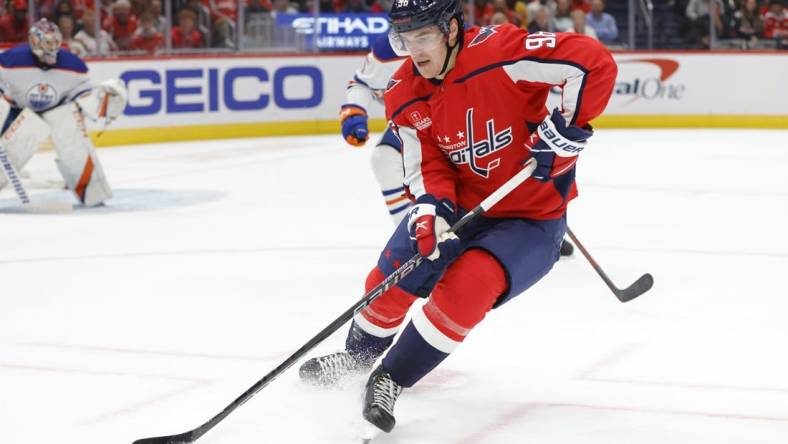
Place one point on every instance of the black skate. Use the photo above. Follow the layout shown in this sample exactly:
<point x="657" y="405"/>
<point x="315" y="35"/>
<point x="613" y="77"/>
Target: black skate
<point x="566" y="248"/>
<point x="379" y="399"/>
<point x="331" y="369"/>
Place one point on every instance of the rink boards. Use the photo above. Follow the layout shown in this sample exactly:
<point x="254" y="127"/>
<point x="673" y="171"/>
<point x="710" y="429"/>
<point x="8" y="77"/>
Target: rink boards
<point x="208" y="97"/>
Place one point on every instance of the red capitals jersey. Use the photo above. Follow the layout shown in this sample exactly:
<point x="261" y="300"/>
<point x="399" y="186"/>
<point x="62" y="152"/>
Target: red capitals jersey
<point x="465" y="136"/>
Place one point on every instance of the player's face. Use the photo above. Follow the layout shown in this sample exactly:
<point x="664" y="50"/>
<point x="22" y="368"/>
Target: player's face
<point x="427" y="47"/>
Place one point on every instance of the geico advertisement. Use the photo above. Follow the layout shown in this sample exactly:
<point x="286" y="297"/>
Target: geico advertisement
<point x="229" y="90"/>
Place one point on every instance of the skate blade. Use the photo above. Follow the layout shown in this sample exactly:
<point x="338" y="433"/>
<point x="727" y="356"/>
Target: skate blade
<point x="368" y="432"/>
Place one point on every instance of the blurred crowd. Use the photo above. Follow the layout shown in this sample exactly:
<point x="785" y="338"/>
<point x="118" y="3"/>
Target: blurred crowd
<point x="141" y="26"/>
<point x="747" y="22"/>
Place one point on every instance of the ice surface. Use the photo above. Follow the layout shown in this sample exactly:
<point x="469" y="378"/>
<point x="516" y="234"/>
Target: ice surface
<point x="217" y="260"/>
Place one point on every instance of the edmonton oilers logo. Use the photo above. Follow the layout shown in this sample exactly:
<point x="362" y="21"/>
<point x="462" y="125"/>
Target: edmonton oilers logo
<point x="41" y="96"/>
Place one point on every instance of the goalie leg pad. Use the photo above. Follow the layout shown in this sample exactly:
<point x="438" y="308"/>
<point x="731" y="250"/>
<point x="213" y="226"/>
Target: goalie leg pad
<point x="76" y="157"/>
<point x="22" y="137"/>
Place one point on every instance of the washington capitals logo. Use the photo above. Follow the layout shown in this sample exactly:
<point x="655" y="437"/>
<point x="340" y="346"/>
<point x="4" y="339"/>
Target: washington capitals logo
<point x="472" y="151"/>
<point x="484" y="33"/>
<point x="392" y="83"/>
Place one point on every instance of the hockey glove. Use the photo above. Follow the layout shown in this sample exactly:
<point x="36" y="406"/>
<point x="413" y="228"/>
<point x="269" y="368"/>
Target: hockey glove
<point x="555" y="146"/>
<point x="428" y="225"/>
<point x="354" y="124"/>
<point x="112" y="97"/>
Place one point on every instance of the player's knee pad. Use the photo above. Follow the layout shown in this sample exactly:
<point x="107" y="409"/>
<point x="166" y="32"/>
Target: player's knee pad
<point x="385" y="314"/>
<point x="465" y="293"/>
<point x="76" y="157"/>
<point x="22" y="137"/>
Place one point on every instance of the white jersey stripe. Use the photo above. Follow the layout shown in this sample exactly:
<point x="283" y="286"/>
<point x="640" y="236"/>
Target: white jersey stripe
<point x="570" y="77"/>
<point x="431" y="334"/>
<point x="373" y="329"/>
<point x="411" y="158"/>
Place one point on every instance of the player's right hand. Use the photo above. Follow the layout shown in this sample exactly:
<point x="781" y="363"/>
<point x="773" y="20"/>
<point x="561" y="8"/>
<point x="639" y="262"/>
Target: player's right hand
<point x="428" y="225"/>
<point x="354" y="124"/>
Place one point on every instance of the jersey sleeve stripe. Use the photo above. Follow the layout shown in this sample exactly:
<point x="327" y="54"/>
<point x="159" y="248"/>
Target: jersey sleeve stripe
<point x="571" y="76"/>
<point x="411" y="159"/>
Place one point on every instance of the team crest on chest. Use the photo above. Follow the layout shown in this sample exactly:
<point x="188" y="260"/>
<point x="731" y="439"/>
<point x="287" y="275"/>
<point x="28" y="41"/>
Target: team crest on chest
<point x="41" y="96"/>
<point x="468" y="150"/>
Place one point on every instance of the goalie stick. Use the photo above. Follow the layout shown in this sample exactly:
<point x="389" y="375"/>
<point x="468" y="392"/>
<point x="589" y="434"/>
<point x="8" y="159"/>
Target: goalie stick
<point x="640" y="286"/>
<point x="392" y="279"/>
<point x="13" y="178"/>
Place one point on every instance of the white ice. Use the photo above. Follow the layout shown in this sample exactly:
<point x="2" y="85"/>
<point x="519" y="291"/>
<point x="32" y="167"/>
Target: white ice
<point x="216" y="260"/>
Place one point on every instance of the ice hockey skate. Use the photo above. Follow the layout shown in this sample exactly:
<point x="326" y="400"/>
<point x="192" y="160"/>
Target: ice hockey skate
<point x="334" y="368"/>
<point x="379" y="398"/>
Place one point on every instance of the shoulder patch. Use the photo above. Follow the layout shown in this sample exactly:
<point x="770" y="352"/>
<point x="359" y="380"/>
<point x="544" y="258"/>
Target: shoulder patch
<point x="485" y="32"/>
<point x="392" y="83"/>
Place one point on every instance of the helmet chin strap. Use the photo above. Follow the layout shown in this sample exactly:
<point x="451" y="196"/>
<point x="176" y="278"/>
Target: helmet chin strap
<point x="449" y="50"/>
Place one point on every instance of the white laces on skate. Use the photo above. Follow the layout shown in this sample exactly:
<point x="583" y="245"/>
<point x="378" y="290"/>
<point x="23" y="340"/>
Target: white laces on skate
<point x="386" y="392"/>
<point x="337" y="363"/>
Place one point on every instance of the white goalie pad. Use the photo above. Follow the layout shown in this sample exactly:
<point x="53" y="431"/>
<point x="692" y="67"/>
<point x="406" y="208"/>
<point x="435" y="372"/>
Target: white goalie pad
<point x="22" y="138"/>
<point x="76" y="157"/>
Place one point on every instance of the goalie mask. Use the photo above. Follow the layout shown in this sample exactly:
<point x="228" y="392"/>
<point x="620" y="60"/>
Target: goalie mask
<point x="45" y="40"/>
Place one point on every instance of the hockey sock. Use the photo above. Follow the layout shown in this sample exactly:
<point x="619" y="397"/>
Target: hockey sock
<point x="375" y="326"/>
<point x="459" y="301"/>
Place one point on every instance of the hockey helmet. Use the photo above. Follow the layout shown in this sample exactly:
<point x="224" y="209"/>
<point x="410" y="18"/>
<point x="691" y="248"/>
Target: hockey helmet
<point x="409" y="15"/>
<point x="45" y="40"/>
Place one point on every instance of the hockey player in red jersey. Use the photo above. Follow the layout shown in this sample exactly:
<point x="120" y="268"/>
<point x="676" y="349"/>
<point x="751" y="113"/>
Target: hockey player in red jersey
<point x="469" y="107"/>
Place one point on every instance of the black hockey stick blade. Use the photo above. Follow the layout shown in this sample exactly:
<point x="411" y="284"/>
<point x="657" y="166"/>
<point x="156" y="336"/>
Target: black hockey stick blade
<point x="640" y="286"/>
<point x="183" y="438"/>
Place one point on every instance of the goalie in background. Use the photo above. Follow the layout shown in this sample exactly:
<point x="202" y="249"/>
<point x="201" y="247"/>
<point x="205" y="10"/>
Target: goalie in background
<point x="46" y="92"/>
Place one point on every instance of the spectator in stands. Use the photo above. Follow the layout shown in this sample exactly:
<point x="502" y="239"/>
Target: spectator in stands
<point x="257" y="7"/>
<point x="699" y="12"/>
<point x="542" y="21"/>
<point x="603" y="23"/>
<point x="521" y="10"/>
<point x="499" y="18"/>
<point x="63" y="7"/>
<point x="185" y="35"/>
<point x="46" y="9"/>
<point x="561" y="16"/>
<point x="138" y="7"/>
<point x="749" y="22"/>
<point x="13" y="24"/>
<point x="582" y="5"/>
<point x="502" y="6"/>
<point x="121" y="24"/>
<point x="161" y="21"/>
<point x="579" y="24"/>
<point x="87" y="36"/>
<point x="533" y="7"/>
<point x="284" y="7"/>
<point x="66" y="25"/>
<point x="356" y="7"/>
<point x="776" y="23"/>
<point x="146" y="37"/>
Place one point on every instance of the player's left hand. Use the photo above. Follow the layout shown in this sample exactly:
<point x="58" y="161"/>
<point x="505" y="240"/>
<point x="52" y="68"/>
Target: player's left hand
<point x="555" y="146"/>
<point x="354" y="124"/>
<point x="428" y="224"/>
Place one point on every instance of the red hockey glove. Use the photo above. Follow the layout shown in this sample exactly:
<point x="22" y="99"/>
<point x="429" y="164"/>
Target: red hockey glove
<point x="555" y="146"/>
<point x="428" y="224"/>
<point x="354" y="124"/>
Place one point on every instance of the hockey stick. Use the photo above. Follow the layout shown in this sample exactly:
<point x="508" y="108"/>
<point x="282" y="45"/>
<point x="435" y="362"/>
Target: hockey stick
<point x="13" y="177"/>
<point x="640" y="286"/>
<point x="392" y="279"/>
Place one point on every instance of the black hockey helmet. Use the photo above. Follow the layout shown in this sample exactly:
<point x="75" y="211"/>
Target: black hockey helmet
<point x="408" y="15"/>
